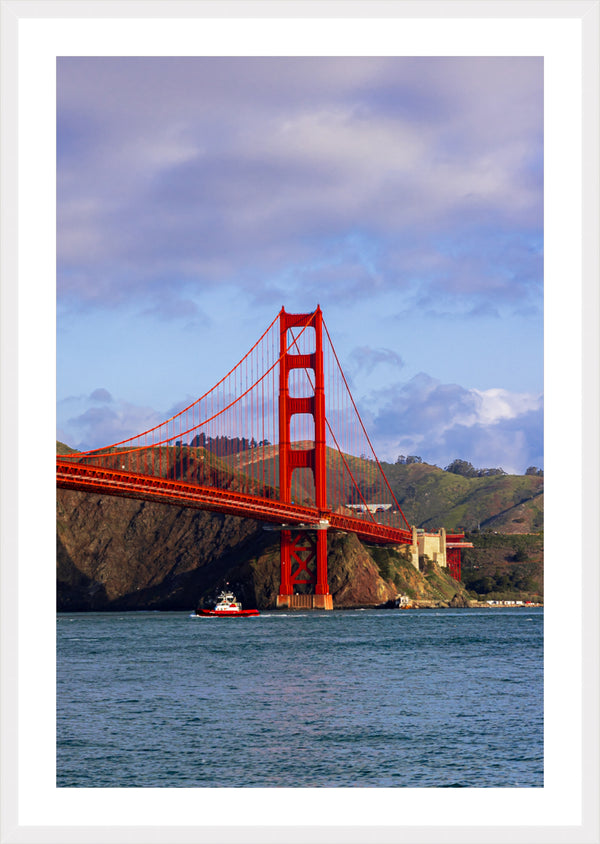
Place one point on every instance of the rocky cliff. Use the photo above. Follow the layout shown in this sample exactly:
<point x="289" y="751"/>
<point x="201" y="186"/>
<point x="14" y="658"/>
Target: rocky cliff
<point x="120" y="554"/>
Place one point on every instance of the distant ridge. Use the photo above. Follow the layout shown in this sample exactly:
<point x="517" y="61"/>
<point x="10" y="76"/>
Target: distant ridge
<point x="432" y="498"/>
<point x="61" y="448"/>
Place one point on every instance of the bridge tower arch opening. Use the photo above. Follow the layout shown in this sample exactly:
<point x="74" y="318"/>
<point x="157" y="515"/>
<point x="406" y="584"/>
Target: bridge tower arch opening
<point x="303" y="551"/>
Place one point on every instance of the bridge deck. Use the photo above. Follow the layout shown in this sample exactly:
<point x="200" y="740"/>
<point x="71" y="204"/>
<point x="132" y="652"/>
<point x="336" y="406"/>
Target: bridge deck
<point x="102" y="481"/>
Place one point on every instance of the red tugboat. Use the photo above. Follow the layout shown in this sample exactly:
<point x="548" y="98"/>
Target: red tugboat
<point x="227" y="607"/>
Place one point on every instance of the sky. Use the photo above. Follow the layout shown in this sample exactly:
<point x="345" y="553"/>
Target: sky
<point x="197" y="196"/>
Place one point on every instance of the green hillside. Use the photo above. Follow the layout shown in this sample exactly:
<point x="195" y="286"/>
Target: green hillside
<point x="432" y="498"/>
<point x="61" y="448"/>
<point x="504" y="567"/>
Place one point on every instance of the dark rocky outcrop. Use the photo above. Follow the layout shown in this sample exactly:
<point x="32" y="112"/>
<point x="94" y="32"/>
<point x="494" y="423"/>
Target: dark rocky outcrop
<point x="124" y="554"/>
<point x="459" y="601"/>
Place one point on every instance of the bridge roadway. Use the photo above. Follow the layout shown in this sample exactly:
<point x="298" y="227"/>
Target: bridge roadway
<point x="102" y="481"/>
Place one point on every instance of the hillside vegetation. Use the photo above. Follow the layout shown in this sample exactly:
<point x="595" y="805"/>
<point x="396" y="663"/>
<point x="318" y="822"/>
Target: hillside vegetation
<point x="504" y="567"/>
<point x="61" y="448"/>
<point x="432" y="498"/>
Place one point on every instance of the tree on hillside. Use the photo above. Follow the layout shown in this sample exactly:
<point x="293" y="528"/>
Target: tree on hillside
<point x="533" y="470"/>
<point x="467" y="470"/>
<point x="462" y="467"/>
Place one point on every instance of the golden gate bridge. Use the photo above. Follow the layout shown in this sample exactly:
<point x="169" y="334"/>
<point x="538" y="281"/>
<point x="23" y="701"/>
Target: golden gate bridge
<point x="278" y="439"/>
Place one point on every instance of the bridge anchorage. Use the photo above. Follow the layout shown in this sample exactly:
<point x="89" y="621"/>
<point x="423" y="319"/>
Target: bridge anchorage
<point x="261" y="444"/>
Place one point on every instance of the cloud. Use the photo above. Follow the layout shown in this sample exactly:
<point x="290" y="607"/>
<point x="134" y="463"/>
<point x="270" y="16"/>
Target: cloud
<point x="203" y="193"/>
<point x="169" y="306"/>
<point x="498" y="405"/>
<point x="511" y="444"/>
<point x="328" y="172"/>
<point x="101" y="395"/>
<point x="97" y="424"/>
<point x="441" y="422"/>
<point x="364" y="359"/>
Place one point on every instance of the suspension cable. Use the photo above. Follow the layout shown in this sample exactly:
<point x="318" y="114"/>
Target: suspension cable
<point x="363" y="427"/>
<point x="103" y="453"/>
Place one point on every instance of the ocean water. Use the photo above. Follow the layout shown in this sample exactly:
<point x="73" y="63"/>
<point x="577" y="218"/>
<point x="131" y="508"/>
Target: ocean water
<point x="362" y="698"/>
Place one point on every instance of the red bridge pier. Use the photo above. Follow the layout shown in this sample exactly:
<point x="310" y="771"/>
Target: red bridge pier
<point x="303" y="552"/>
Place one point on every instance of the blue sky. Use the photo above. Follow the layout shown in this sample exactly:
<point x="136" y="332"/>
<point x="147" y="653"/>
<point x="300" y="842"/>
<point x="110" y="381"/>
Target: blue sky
<point x="197" y="196"/>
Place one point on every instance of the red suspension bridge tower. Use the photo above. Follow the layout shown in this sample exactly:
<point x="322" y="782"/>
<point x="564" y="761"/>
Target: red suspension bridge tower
<point x="300" y="547"/>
